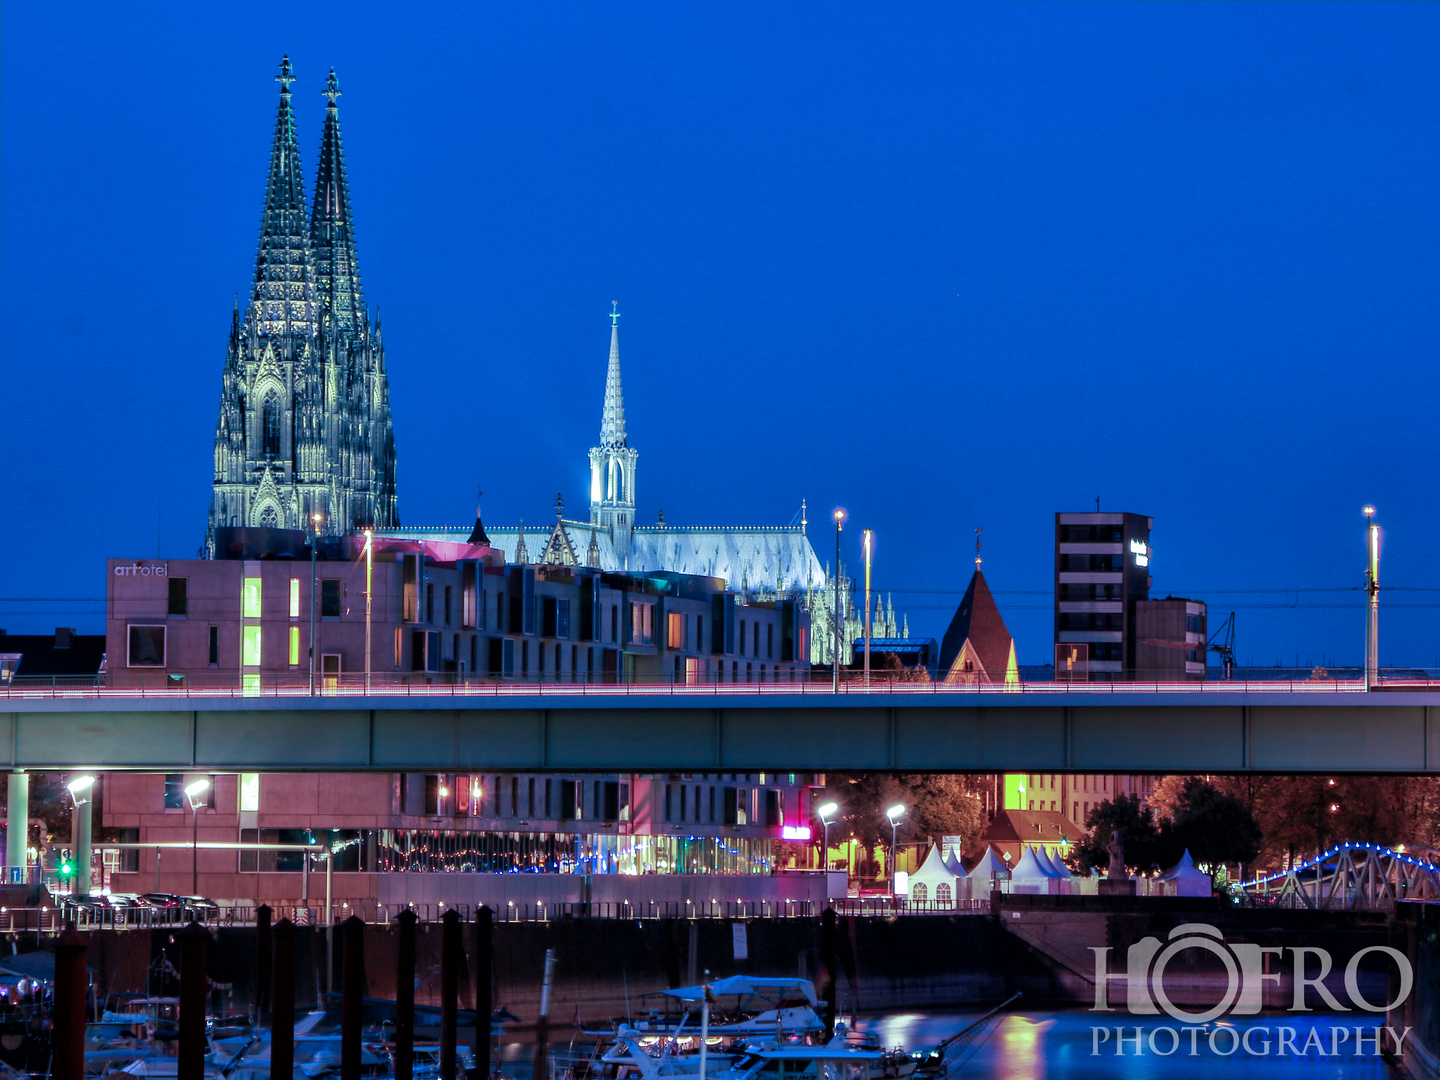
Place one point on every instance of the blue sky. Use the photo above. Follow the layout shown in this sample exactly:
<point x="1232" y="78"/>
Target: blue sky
<point x="947" y="266"/>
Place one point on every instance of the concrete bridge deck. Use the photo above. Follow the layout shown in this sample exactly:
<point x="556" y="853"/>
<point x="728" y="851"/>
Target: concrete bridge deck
<point x="736" y="730"/>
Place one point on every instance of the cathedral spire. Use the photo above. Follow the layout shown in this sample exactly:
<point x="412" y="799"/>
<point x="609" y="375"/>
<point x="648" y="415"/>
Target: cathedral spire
<point x="283" y="297"/>
<point x="612" y="420"/>
<point x="332" y="230"/>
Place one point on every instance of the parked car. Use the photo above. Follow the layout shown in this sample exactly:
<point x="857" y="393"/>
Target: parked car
<point x="131" y="907"/>
<point x="204" y="909"/>
<point x="168" y="906"/>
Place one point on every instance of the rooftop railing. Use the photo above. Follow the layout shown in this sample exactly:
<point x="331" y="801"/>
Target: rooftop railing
<point x="212" y="684"/>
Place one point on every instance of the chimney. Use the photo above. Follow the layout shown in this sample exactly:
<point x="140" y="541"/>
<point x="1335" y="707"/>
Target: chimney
<point x="64" y="637"/>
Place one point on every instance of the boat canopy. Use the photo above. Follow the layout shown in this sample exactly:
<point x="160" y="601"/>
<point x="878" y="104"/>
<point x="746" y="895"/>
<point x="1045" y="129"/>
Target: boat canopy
<point x="747" y="986"/>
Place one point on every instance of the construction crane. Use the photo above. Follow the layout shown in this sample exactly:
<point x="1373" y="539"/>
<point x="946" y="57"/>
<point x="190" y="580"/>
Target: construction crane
<point x="1224" y="647"/>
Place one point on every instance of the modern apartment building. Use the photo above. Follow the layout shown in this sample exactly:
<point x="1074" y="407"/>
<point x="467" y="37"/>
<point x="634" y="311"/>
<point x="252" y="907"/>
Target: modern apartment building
<point x="1102" y="570"/>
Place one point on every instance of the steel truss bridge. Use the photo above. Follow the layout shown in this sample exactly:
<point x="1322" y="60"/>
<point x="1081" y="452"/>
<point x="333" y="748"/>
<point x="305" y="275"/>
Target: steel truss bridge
<point x="1349" y="877"/>
<point x="740" y="728"/>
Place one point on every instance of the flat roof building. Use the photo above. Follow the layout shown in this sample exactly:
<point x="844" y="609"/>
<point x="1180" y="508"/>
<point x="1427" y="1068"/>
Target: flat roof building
<point x="1102" y="570"/>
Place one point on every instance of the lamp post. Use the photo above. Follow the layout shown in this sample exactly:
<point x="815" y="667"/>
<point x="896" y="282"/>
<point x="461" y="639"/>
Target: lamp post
<point x="193" y="791"/>
<point x="369" y="567"/>
<point x="869" y="544"/>
<point x="1372" y="591"/>
<point x="80" y="832"/>
<point x="825" y="811"/>
<point x="835" y="612"/>
<point x="895" y="813"/>
<point x="314" y="536"/>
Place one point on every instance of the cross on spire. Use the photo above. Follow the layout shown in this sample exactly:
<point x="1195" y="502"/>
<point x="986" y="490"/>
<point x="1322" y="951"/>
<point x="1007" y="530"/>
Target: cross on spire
<point x="977" y="548"/>
<point x="559" y="504"/>
<point x="286" y="76"/>
<point x="614" y="312"/>
<point x="332" y="89"/>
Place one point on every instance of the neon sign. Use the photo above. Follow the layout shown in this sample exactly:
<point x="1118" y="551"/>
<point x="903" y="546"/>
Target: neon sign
<point x="795" y="832"/>
<point x="1141" y="552"/>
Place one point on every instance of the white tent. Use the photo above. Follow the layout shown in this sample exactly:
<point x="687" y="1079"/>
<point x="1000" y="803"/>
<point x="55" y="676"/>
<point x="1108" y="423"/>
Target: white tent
<point x="934" y="882"/>
<point x="991" y="865"/>
<point x="1052" y="863"/>
<point x="1029" y="876"/>
<point x="1183" y="879"/>
<point x="956" y="866"/>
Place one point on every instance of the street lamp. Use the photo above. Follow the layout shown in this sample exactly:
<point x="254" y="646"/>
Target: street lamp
<point x="80" y="832"/>
<point x="825" y="812"/>
<point x="869" y="544"/>
<point x="835" y="612"/>
<point x="895" y="813"/>
<point x="193" y="791"/>
<point x="314" y="536"/>
<point x="1372" y="591"/>
<point x="369" y="566"/>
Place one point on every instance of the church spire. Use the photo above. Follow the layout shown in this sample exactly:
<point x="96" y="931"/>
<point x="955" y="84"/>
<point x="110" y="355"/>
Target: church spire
<point x="612" y="463"/>
<point x="283" y="298"/>
<point x="612" y="420"/>
<point x="332" y="230"/>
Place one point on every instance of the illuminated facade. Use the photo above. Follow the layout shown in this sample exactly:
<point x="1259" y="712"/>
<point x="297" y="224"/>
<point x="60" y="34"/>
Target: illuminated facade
<point x="304" y="422"/>
<point x="760" y="563"/>
<point x="1102" y="570"/>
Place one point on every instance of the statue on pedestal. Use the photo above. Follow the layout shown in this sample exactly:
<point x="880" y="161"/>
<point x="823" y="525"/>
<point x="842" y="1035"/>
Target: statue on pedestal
<point x="1116" y="847"/>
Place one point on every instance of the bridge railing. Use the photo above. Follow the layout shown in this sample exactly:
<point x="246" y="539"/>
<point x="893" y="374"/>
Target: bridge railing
<point x="212" y="684"/>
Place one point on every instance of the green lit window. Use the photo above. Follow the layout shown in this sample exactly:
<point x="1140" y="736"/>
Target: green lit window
<point x="294" y="597"/>
<point x="249" y="792"/>
<point x="294" y="646"/>
<point x="250" y="599"/>
<point x="250" y="646"/>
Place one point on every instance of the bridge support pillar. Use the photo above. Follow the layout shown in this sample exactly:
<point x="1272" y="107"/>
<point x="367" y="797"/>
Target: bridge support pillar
<point x="17" y="807"/>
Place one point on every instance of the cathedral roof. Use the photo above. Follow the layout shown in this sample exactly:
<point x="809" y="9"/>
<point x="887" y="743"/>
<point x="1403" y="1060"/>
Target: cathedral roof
<point x="283" y="259"/>
<point x="332" y="230"/>
<point x="978" y="620"/>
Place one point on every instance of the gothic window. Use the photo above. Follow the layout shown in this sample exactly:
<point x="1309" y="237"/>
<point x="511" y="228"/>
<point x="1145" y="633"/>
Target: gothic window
<point x="268" y="520"/>
<point x="270" y="426"/>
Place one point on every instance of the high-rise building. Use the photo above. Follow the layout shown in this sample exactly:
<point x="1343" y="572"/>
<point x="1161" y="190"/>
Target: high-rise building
<point x="1102" y="570"/>
<point x="304" y="424"/>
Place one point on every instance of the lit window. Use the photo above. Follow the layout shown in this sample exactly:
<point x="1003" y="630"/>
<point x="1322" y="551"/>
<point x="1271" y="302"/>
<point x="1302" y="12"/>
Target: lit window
<point x="294" y="597"/>
<point x="294" y="646"/>
<point x="250" y="646"/>
<point x="675" y="630"/>
<point x="249" y="792"/>
<point x="250" y="598"/>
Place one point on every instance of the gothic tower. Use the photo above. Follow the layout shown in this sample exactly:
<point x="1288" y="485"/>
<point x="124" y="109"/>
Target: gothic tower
<point x="612" y="463"/>
<point x="304" y="426"/>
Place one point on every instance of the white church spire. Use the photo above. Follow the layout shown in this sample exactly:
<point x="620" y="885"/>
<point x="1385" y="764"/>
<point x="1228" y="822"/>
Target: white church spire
<point x="612" y="463"/>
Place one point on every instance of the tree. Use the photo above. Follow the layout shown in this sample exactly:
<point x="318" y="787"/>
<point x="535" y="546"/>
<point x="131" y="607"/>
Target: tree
<point x="936" y="805"/>
<point x="1214" y="826"/>
<point x="1141" y="836"/>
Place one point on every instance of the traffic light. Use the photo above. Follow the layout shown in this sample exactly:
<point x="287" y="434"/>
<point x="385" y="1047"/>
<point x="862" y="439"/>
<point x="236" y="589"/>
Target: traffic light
<point x="67" y="868"/>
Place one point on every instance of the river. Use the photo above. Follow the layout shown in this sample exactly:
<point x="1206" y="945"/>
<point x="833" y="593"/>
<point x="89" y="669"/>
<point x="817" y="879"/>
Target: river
<point x="1076" y="1044"/>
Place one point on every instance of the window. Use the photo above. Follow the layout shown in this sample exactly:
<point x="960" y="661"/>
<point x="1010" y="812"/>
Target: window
<point x="430" y="603"/>
<point x="294" y="597"/>
<point x="330" y="598"/>
<point x="294" y="646"/>
<point x="399" y="646"/>
<point x="250" y="598"/>
<point x="249" y="792"/>
<point x="614" y="622"/>
<point x="447" y="605"/>
<point x="270" y="426"/>
<point x="177" y="604"/>
<point x="214" y="646"/>
<point x="918" y="892"/>
<point x="570" y="800"/>
<point x="147" y="646"/>
<point x="674" y="630"/>
<point x="942" y="893"/>
<point x="699" y="633"/>
<point x="250" y="646"/>
<point x="755" y="639"/>
<point x="174" y="791"/>
<point x="770" y="641"/>
<point x="641" y="630"/>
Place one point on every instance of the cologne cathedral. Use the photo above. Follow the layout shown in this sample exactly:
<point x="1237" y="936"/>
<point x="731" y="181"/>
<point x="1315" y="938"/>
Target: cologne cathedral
<point x="304" y="439"/>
